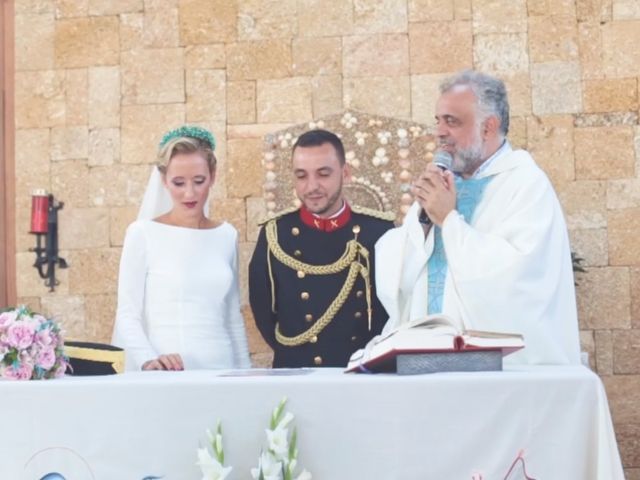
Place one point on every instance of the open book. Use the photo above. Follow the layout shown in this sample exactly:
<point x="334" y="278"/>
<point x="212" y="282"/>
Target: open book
<point x="432" y="334"/>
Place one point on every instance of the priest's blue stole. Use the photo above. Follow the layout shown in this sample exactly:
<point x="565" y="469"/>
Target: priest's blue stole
<point x="469" y="193"/>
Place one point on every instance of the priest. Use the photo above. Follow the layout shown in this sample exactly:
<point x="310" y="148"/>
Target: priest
<point x="485" y="240"/>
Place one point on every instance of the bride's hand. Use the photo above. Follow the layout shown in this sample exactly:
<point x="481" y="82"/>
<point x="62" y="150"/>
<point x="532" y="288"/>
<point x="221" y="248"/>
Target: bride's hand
<point x="171" y="361"/>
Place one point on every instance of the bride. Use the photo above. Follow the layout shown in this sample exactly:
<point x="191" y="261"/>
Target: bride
<point x="178" y="294"/>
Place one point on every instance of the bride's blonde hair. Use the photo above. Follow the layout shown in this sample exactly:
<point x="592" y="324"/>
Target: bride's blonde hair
<point x="179" y="145"/>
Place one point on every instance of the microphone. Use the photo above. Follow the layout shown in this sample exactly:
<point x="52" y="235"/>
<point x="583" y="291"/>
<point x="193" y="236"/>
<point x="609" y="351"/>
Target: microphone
<point x="444" y="161"/>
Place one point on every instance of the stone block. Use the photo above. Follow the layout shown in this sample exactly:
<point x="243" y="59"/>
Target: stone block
<point x="87" y="41"/>
<point x="76" y="97"/>
<point x="431" y="10"/>
<point x="29" y="283"/>
<point x="626" y="10"/>
<point x="605" y="119"/>
<point x="519" y="91"/>
<point x="604" y="152"/>
<point x="39" y="99"/>
<point x="604" y="352"/>
<point x="256" y="213"/>
<point x="94" y="271"/>
<point x="84" y="228"/>
<point x="284" y="100"/>
<point x="245" y="251"/>
<point x="198" y="57"/>
<point x="161" y="24"/>
<point x="424" y="95"/>
<point x="628" y="436"/>
<point x="206" y="96"/>
<point x="444" y="46"/>
<point x="462" y="9"/>
<point x="584" y="204"/>
<point x="591" y="244"/>
<point x="70" y="181"/>
<point x="207" y="21"/>
<point x="241" y="104"/>
<point x="258" y="130"/>
<point x="104" y="146"/>
<point x="259" y="19"/>
<point x="233" y="211"/>
<point x="100" y="315"/>
<point x="104" y="97"/>
<point x="389" y="96"/>
<point x="610" y="95"/>
<point x="603" y="298"/>
<point x="551" y="7"/>
<point x="553" y="39"/>
<point x="34" y="41"/>
<point x="72" y="8"/>
<point x="69" y="143"/>
<point x="490" y="16"/>
<point x="68" y="310"/>
<point x="626" y="352"/>
<point x="32" y="303"/>
<point x="114" y="7"/>
<point x="594" y="10"/>
<point x="550" y="142"/>
<point x="556" y="87"/>
<point x="34" y="6"/>
<point x="261" y="354"/>
<point x="620" y="42"/>
<point x="590" y="49"/>
<point x="518" y="132"/>
<point x="630" y="473"/>
<point x="131" y="31"/>
<point x="623" y="226"/>
<point x="244" y="173"/>
<point x="119" y="219"/>
<point x="623" y="393"/>
<point x="634" y="280"/>
<point x="337" y="18"/>
<point x="623" y="193"/>
<point x="326" y="95"/>
<point x="317" y="56"/>
<point x="153" y="76"/>
<point x="368" y="55"/>
<point x="501" y="52"/>
<point x="117" y="185"/>
<point x="143" y="127"/>
<point x="587" y="345"/>
<point x="259" y="59"/>
<point x="379" y="16"/>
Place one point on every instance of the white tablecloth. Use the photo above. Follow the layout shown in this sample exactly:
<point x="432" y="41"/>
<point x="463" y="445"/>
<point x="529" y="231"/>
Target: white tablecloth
<point x="379" y="427"/>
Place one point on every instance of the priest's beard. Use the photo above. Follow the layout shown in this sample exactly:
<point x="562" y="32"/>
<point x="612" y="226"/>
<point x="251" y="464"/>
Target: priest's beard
<point x="467" y="160"/>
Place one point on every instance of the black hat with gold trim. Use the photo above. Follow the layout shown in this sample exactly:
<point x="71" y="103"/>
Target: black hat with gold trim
<point x="88" y="358"/>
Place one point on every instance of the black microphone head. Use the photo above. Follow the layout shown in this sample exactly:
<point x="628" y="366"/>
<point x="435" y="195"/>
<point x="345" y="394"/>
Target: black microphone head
<point x="443" y="159"/>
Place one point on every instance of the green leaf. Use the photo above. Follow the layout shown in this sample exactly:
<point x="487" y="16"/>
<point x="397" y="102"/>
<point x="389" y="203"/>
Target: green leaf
<point x="292" y="444"/>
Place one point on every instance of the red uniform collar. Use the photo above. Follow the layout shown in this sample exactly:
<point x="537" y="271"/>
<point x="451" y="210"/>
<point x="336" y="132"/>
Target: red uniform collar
<point x="326" y="224"/>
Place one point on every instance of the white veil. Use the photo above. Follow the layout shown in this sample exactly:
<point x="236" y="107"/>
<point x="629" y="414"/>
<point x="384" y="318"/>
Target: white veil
<point x="156" y="200"/>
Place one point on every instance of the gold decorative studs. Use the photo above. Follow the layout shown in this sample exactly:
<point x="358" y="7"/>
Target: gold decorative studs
<point x="317" y="360"/>
<point x="295" y="231"/>
<point x="304" y="295"/>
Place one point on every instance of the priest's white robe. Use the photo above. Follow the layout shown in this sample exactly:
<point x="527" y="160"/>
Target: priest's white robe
<point x="509" y="269"/>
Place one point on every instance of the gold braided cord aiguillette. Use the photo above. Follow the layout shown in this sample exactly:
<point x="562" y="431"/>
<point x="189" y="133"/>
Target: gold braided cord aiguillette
<point x="328" y="315"/>
<point x="348" y="257"/>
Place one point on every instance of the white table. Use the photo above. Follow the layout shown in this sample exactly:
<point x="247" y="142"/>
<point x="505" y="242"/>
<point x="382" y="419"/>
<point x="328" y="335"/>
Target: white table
<point x="378" y="427"/>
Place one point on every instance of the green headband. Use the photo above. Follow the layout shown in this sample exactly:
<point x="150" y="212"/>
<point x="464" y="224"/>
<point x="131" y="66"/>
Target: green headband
<point x="189" y="131"/>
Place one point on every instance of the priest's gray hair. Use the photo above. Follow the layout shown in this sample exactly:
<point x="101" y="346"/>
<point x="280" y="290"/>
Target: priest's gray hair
<point x="490" y="92"/>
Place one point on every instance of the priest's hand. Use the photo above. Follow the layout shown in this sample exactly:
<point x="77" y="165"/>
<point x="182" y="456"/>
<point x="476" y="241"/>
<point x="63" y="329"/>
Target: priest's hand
<point x="435" y="191"/>
<point x="171" y="361"/>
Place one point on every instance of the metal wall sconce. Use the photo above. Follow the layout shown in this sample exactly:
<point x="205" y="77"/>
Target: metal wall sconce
<point x="44" y="225"/>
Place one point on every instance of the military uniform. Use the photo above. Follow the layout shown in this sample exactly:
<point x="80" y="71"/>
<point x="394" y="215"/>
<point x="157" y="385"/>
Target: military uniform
<point x="311" y="285"/>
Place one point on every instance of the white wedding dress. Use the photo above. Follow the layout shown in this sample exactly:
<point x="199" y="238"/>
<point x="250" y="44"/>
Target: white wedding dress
<point x="178" y="293"/>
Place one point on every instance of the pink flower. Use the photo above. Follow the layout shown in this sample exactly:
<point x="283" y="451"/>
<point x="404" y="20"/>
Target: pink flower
<point x="46" y="358"/>
<point x="21" y="372"/>
<point x="21" y="334"/>
<point x="7" y="318"/>
<point x="44" y="337"/>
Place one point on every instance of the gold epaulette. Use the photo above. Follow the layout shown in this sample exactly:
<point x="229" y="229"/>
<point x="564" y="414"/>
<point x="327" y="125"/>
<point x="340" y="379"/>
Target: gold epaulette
<point x="277" y="215"/>
<point x="390" y="216"/>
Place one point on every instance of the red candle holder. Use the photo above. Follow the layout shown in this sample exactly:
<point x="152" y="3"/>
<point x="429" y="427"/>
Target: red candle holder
<point x="44" y="225"/>
<point x="39" y="211"/>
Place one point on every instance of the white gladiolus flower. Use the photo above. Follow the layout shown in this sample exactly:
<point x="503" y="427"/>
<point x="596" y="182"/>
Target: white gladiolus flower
<point x="278" y="442"/>
<point x="210" y="467"/>
<point x="305" y="475"/>
<point x="268" y="466"/>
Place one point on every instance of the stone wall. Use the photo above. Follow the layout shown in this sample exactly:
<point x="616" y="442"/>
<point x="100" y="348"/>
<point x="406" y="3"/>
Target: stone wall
<point x="98" y="82"/>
